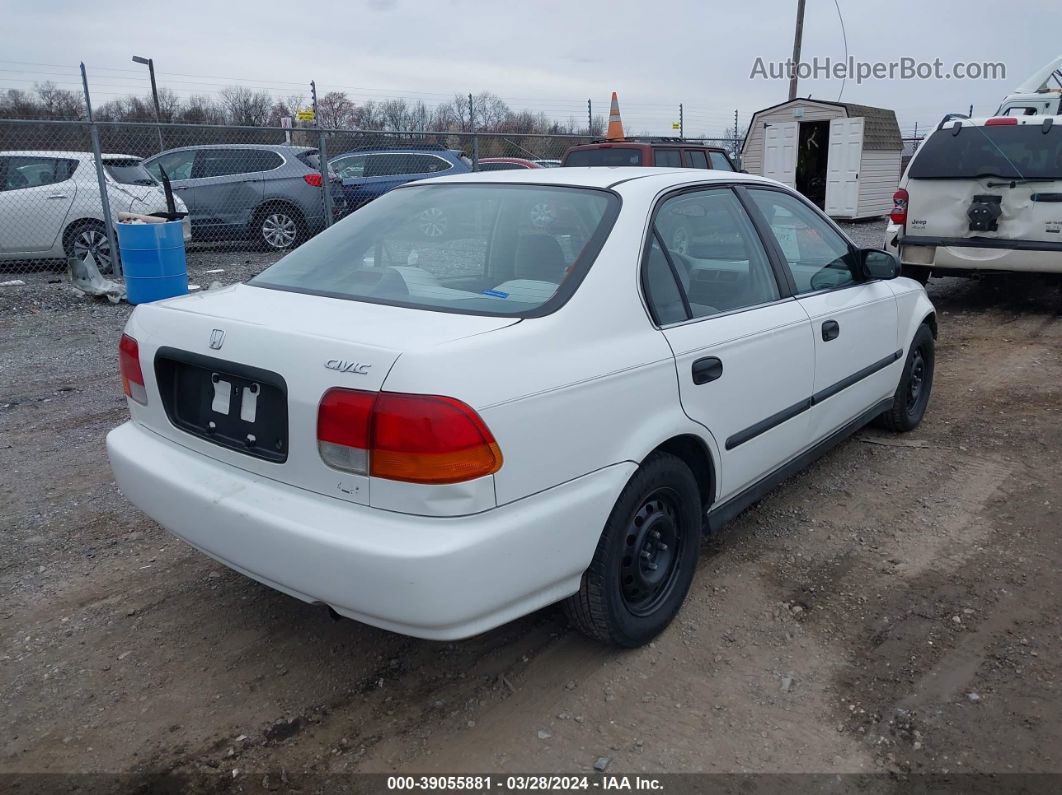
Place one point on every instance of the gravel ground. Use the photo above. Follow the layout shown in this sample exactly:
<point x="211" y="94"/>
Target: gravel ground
<point x="892" y="610"/>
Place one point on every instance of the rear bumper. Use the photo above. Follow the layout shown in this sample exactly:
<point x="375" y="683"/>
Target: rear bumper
<point x="988" y="255"/>
<point x="438" y="578"/>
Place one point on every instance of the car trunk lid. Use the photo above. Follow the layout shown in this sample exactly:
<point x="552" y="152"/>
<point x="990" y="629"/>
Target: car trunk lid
<point x="237" y="373"/>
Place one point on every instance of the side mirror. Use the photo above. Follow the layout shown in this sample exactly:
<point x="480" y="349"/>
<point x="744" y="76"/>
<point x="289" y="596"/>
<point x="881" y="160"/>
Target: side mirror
<point x="878" y="264"/>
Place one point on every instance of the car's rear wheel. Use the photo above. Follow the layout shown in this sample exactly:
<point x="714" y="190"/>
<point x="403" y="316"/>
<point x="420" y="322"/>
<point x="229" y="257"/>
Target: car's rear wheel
<point x="645" y="559"/>
<point x="89" y="237"/>
<point x="916" y="383"/>
<point x="278" y="227"/>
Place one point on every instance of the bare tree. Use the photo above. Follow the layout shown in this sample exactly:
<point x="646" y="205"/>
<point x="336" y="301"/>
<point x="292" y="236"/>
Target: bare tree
<point x="246" y="107"/>
<point x="335" y="110"/>
<point x="58" y="103"/>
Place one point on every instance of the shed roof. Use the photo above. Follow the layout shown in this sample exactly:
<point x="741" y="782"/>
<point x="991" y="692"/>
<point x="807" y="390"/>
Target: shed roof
<point x="880" y="131"/>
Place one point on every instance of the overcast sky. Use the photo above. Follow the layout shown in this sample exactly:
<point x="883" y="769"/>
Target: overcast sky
<point x="539" y="54"/>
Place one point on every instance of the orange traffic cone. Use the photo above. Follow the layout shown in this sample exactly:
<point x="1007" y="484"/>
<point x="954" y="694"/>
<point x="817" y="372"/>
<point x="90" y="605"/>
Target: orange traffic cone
<point x="615" y="126"/>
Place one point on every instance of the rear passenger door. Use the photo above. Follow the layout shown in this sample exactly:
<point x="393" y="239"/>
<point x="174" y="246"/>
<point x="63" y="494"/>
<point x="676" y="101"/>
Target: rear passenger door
<point x="226" y="186"/>
<point x="743" y="351"/>
<point x="854" y="323"/>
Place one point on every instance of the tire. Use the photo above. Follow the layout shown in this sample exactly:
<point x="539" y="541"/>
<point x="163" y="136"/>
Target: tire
<point x="278" y="227"/>
<point x="919" y="273"/>
<point x="912" y="395"/>
<point x="86" y="237"/>
<point x="627" y="599"/>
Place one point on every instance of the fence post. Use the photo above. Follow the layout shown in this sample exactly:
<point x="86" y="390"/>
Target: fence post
<point x="475" y="136"/>
<point x="322" y="159"/>
<point x="108" y="221"/>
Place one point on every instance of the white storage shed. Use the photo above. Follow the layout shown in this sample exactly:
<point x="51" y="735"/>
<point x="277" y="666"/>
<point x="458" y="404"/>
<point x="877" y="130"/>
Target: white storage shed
<point x="844" y="157"/>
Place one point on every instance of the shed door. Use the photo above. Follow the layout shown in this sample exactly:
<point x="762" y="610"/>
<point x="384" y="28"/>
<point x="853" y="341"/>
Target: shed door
<point x="842" y="167"/>
<point x="779" y="152"/>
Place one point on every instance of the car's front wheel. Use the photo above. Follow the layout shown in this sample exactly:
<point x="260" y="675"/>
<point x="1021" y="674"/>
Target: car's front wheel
<point x="916" y="383"/>
<point x="278" y="228"/>
<point x="89" y="237"/>
<point x="645" y="559"/>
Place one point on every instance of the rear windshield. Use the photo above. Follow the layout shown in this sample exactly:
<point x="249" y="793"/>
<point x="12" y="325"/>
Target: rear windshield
<point x="612" y="156"/>
<point x="1016" y="151"/>
<point x="310" y="158"/>
<point x="504" y="250"/>
<point x="129" y="171"/>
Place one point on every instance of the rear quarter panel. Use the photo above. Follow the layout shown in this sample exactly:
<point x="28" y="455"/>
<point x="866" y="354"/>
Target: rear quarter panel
<point x="592" y="385"/>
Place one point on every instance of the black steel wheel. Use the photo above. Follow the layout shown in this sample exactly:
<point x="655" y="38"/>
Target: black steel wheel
<point x="911" y="398"/>
<point x="645" y="559"/>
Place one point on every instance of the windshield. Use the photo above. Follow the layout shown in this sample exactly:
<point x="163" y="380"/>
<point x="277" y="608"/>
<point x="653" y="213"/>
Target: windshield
<point x="129" y="171"/>
<point x="1014" y="151"/>
<point x="508" y="250"/>
<point x="609" y="156"/>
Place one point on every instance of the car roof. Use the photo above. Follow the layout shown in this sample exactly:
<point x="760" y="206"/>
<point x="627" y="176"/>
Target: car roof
<point x="983" y="121"/>
<point x="600" y="176"/>
<point x="290" y="148"/>
<point x="647" y="143"/>
<point x="71" y="154"/>
<point x="399" y="150"/>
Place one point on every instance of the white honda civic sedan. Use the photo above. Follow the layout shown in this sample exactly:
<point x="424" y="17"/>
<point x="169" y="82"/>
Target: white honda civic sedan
<point x="544" y="401"/>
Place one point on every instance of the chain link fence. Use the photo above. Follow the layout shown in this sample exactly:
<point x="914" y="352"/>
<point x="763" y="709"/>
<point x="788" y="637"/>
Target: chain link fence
<point x="249" y="193"/>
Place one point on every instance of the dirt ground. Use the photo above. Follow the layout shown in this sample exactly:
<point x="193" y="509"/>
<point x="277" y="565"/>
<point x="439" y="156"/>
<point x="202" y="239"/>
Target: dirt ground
<point x="893" y="609"/>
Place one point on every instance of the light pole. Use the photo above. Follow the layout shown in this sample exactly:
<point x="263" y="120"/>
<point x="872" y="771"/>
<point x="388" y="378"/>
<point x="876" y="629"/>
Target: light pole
<point x="154" y="94"/>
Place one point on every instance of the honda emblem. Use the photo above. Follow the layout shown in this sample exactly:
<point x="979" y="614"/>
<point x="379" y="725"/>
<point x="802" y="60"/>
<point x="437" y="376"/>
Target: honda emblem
<point x="217" y="339"/>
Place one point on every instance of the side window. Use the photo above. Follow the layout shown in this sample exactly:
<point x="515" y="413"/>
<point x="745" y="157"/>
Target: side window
<point x="720" y="161"/>
<point x="350" y="167"/>
<point x="662" y="293"/>
<point x="221" y="162"/>
<point x="261" y="160"/>
<point x="819" y="258"/>
<point x="34" y="172"/>
<point x="667" y="158"/>
<point x="389" y="165"/>
<point x="178" y="165"/>
<point x="429" y="164"/>
<point x="720" y="259"/>
<point x="695" y="158"/>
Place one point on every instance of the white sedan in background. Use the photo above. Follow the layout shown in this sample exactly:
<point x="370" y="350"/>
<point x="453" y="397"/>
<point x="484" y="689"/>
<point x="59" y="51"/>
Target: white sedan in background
<point x="50" y="205"/>
<point x="437" y="435"/>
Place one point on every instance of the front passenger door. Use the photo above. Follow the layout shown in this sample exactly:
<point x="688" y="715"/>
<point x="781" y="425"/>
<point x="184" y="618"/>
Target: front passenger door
<point x="854" y="323"/>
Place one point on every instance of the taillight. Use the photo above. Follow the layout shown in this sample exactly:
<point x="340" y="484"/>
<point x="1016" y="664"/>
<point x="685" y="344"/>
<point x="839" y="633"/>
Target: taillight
<point x="1001" y="121"/>
<point x="129" y="366"/>
<point x="899" y="207"/>
<point x="344" y="420"/>
<point x="414" y="438"/>
<point x="312" y="179"/>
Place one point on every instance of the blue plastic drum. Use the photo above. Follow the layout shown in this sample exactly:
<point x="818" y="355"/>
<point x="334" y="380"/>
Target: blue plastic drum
<point x="153" y="261"/>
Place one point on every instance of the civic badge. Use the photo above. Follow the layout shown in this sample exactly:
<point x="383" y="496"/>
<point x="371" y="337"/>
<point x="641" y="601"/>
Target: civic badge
<point x="217" y="339"/>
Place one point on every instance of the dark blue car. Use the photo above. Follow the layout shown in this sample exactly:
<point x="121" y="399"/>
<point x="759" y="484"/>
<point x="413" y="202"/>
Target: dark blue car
<point x="370" y="173"/>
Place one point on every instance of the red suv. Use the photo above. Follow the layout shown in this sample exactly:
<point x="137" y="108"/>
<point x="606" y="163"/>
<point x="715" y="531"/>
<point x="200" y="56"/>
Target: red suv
<point x="663" y="152"/>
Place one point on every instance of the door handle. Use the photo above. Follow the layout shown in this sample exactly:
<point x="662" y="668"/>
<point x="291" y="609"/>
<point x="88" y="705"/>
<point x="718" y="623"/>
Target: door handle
<point x="707" y="369"/>
<point x="831" y="330"/>
<point x="58" y="196"/>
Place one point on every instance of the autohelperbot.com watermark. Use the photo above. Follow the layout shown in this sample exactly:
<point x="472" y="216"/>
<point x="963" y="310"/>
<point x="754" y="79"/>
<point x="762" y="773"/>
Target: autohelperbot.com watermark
<point x="904" y="68"/>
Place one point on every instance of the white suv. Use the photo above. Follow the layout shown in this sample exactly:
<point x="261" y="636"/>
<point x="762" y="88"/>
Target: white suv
<point x="50" y="205"/>
<point x="982" y="195"/>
